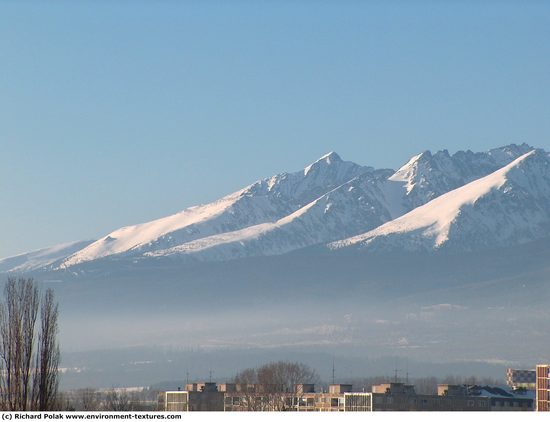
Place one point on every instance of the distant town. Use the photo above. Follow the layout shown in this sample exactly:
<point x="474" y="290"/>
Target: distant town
<point x="277" y="388"/>
<point x="526" y="390"/>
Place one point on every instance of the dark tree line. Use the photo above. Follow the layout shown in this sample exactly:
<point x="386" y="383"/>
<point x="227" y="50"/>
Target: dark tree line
<point x="112" y="400"/>
<point x="29" y="354"/>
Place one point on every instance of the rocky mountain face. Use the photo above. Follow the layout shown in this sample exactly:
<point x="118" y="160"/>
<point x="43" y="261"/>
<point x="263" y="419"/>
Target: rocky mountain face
<point x="462" y="201"/>
<point x="508" y="207"/>
<point x="428" y="175"/>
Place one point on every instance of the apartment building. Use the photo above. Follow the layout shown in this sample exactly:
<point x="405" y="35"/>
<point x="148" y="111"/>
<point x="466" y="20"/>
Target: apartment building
<point x="543" y="388"/>
<point x="196" y="397"/>
<point x="395" y="396"/>
<point x="231" y="397"/>
<point x="173" y="401"/>
<point x="398" y="396"/>
<point x="255" y="397"/>
<point x="520" y="378"/>
<point x="497" y="398"/>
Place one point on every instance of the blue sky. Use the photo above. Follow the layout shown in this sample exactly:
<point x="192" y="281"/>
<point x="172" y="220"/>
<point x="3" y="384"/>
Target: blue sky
<point x="117" y="112"/>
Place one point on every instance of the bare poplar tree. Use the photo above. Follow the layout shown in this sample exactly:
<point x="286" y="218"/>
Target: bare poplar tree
<point x="28" y="379"/>
<point x="46" y="378"/>
<point x="18" y="316"/>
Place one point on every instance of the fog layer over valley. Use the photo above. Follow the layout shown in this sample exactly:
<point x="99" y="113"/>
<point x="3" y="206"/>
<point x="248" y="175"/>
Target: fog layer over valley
<point x="435" y="311"/>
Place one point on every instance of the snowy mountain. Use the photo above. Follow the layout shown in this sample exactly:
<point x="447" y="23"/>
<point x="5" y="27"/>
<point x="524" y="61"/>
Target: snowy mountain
<point x="509" y="206"/>
<point x="423" y="205"/>
<point x="262" y="202"/>
<point x="363" y="203"/>
<point x="42" y="258"/>
<point x="352" y="207"/>
<point x="427" y="176"/>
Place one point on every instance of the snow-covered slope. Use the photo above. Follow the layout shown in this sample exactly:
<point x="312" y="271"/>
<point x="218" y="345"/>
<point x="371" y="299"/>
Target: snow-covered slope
<point x="353" y="207"/>
<point x="361" y="204"/>
<point x="509" y="206"/>
<point x="264" y="201"/>
<point x="41" y="258"/>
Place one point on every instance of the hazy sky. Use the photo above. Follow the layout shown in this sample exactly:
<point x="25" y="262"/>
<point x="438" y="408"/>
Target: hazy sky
<point x="117" y="112"/>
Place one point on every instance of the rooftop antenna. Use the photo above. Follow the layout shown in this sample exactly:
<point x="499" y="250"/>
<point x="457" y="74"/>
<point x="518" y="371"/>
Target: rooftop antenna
<point x="210" y="375"/>
<point x="407" y="366"/>
<point x="187" y="377"/>
<point x="333" y="369"/>
<point x="395" y="376"/>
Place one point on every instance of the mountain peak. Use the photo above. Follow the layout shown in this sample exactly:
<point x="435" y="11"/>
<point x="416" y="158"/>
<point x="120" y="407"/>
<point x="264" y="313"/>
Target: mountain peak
<point x="407" y="171"/>
<point x="505" y="154"/>
<point x="327" y="159"/>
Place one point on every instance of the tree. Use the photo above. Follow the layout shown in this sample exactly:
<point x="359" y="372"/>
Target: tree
<point x="251" y="399"/>
<point x="47" y="357"/>
<point x="18" y="316"/>
<point x="121" y="401"/>
<point x="275" y="383"/>
<point x="88" y="400"/>
<point x="471" y="380"/>
<point x="28" y="373"/>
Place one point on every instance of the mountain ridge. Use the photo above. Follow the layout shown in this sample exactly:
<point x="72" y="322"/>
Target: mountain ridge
<point x="327" y="203"/>
<point x="432" y="225"/>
